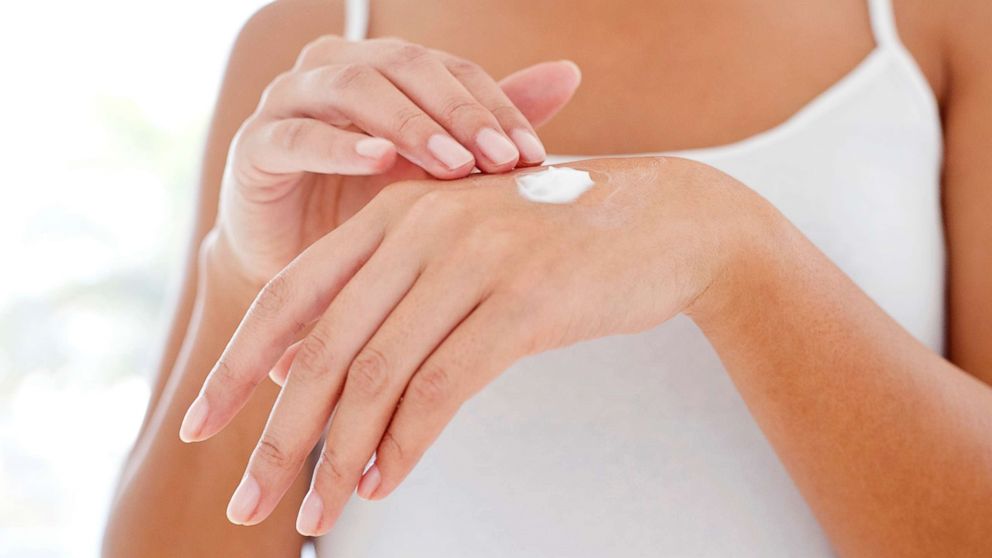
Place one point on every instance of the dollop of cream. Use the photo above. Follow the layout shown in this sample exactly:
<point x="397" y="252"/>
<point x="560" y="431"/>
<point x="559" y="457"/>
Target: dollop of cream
<point x="554" y="185"/>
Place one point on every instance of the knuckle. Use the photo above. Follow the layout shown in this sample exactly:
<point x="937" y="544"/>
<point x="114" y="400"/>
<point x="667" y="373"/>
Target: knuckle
<point x="409" y="119"/>
<point x="507" y="113"/>
<point x="431" y="386"/>
<point x="491" y="237"/>
<point x="525" y="312"/>
<point x="316" y="49"/>
<point x="331" y="466"/>
<point x="461" y="68"/>
<point x="277" y="86"/>
<point x="271" y="299"/>
<point x="458" y="107"/>
<point x="523" y="297"/>
<point x="274" y="453"/>
<point x="437" y="203"/>
<point x="369" y="373"/>
<point x="223" y="377"/>
<point x="291" y="134"/>
<point x="406" y="53"/>
<point x="391" y="446"/>
<point x="312" y="358"/>
<point x="348" y="76"/>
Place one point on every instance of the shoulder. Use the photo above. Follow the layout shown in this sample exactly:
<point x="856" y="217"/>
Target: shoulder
<point x="951" y="41"/>
<point x="272" y="38"/>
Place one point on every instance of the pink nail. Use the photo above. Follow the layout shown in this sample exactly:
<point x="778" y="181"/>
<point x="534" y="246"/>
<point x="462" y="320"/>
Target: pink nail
<point x="196" y="417"/>
<point x="308" y="521"/>
<point x="373" y="148"/>
<point x="495" y="147"/>
<point x="369" y="482"/>
<point x="449" y="151"/>
<point x="531" y="148"/>
<point x="244" y="501"/>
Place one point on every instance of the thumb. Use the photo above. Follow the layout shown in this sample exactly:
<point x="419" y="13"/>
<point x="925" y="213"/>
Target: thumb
<point x="541" y="90"/>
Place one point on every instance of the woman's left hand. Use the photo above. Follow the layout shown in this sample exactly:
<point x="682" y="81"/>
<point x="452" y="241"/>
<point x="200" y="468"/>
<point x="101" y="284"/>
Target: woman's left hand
<point x="433" y="289"/>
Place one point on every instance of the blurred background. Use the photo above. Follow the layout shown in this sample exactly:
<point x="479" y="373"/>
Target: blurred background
<point x="103" y="112"/>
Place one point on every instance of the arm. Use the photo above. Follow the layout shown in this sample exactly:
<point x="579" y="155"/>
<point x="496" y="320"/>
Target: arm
<point x="890" y="444"/>
<point x="289" y="175"/>
<point x="191" y="508"/>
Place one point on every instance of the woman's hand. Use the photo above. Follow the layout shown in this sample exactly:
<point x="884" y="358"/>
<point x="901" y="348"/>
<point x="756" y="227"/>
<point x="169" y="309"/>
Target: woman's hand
<point x="434" y="289"/>
<point x="327" y="135"/>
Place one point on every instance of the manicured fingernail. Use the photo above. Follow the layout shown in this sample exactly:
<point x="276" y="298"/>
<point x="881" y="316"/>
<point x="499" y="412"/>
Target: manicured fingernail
<point x="244" y="501"/>
<point x="373" y="148"/>
<point x="449" y="151"/>
<point x="495" y="147"/>
<point x="369" y="482"/>
<point x="575" y="68"/>
<point x="530" y="147"/>
<point x="193" y="422"/>
<point x="308" y="521"/>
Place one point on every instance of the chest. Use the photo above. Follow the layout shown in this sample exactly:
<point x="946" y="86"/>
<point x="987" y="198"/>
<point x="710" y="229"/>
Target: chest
<point x="657" y="75"/>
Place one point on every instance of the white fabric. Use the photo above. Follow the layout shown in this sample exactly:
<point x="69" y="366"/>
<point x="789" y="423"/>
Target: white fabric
<point x="639" y="445"/>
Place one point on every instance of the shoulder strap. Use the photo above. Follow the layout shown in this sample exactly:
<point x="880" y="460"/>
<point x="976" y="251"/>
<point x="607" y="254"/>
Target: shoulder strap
<point x="883" y="22"/>
<point x="356" y="19"/>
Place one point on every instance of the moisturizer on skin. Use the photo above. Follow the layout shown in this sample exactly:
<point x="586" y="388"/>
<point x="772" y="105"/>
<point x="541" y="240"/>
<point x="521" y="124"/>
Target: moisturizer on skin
<point x="554" y="185"/>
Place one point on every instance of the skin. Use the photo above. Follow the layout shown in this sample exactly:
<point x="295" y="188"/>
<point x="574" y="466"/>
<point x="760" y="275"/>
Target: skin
<point x="917" y="479"/>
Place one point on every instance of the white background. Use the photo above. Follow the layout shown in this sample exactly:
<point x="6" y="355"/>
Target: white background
<point x="103" y="107"/>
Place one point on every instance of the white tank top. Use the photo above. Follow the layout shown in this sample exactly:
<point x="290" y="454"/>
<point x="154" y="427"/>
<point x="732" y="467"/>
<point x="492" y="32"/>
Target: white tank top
<point x="639" y="445"/>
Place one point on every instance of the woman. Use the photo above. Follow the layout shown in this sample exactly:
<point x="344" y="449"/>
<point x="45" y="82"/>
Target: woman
<point x="803" y="353"/>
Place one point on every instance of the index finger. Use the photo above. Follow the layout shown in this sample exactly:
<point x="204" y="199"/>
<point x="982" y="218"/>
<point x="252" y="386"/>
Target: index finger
<point x="284" y="307"/>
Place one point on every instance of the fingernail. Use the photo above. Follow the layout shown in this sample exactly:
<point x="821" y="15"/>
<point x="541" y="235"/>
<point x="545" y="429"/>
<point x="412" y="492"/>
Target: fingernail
<point x="308" y="521"/>
<point x="373" y="148"/>
<point x="369" y="482"/>
<point x="575" y="68"/>
<point x="244" y="501"/>
<point x="449" y="151"/>
<point x="531" y="149"/>
<point x="193" y="422"/>
<point x="495" y="147"/>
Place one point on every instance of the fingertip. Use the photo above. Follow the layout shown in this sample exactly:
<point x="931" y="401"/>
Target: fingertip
<point x="532" y="151"/>
<point x="308" y="520"/>
<point x="501" y="153"/>
<point x="380" y="154"/>
<point x="574" y="68"/>
<point x="277" y="378"/>
<point x="374" y="148"/>
<point x="370" y="482"/>
<point x="196" y="416"/>
<point x="244" y="501"/>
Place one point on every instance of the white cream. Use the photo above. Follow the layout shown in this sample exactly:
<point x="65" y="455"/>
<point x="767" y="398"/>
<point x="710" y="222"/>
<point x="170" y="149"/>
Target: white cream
<point x="554" y="185"/>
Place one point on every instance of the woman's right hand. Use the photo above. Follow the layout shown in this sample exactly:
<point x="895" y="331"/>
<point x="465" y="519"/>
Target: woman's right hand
<point x="351" y="117"/>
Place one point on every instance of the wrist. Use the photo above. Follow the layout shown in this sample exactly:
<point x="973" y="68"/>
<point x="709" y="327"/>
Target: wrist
<point x="222" y="286"/>
<point x="756" y="243"/>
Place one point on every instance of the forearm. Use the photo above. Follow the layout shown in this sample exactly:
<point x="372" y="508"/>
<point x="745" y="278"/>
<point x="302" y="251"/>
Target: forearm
<point x="173" y="496"/>
<point x="890" y="444"/>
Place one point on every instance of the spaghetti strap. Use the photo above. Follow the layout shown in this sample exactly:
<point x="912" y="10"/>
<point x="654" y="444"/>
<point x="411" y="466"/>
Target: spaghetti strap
<point x="883" y="23"/>
<point x="356" y="19"/>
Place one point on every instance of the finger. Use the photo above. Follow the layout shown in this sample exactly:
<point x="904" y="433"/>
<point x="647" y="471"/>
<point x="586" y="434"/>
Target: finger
<point x="308" y="145"/>
<point x="489" y="94"/>
<point x="315" y="378"/>
<point x="487" y="342"/>
<point x="419" y="74"/>
<point x="438" y="301"/>
<point x="281" y="369"/>
<point x="280" y="312"/>
<point x="359" y="94"/>
<point x="541" y="90"/>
